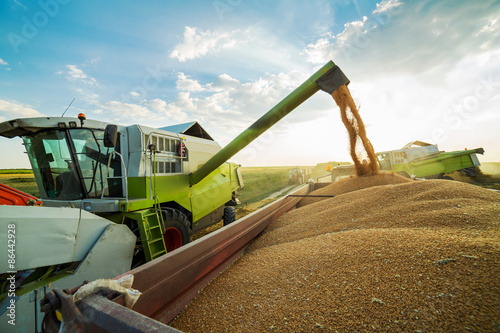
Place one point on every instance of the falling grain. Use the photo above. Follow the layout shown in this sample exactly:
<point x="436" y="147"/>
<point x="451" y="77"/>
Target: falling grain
<point x="360" y="147"/>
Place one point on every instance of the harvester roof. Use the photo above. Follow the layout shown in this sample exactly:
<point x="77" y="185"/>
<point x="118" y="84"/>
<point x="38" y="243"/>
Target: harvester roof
<point x="417" y="143"/>
<point x="29" y="126"/>
<point x="192" y="128"/>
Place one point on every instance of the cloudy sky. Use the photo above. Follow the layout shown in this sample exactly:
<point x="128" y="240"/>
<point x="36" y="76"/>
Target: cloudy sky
<point x="419" y="70"/>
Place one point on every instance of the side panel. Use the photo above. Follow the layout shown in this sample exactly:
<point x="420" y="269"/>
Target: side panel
<point x="457" y="163"/>
<point x="138" y="187"/>
<point x="48" y="235"/>
<point x="172" y="188"/>
<point x="198" y="150"/>
<point x="235" y="175"/>
<point x="111" y="255"/>
<point x="474" y="159"/>
<point x="168" y="188"/>
<point x="428" y="169"/>
<point x="211" y="193"/>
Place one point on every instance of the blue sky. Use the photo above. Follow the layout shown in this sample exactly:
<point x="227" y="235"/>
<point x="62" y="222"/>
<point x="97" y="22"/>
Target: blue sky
<point x="420" y="70"/>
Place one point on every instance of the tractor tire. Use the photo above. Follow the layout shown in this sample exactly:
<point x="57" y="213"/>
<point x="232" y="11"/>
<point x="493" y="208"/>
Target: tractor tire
<point x="229" y="215"/>
<point x="138" y="258"/>
<point x="177" y="230"/>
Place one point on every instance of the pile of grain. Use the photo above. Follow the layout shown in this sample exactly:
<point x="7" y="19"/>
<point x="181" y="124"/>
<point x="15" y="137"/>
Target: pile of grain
<point x="353" y="184"/>
<point x="414" y="256"/>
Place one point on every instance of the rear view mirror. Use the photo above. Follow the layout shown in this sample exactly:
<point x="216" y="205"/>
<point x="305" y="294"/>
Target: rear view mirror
<point x="110" y="136"/>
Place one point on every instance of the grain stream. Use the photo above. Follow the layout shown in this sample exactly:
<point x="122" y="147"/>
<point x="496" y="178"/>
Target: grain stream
<point x="360" y="148"/>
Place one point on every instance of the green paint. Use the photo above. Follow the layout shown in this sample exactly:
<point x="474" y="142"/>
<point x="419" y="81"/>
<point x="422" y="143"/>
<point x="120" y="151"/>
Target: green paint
<point x="446" y="162"/>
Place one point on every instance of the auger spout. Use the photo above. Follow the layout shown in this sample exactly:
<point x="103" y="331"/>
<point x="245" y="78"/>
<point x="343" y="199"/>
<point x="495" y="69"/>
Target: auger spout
<point x="328" y="78"/>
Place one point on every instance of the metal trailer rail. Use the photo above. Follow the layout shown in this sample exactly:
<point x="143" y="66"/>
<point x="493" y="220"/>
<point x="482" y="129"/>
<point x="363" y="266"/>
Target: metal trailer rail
<point x="168" y="283"/>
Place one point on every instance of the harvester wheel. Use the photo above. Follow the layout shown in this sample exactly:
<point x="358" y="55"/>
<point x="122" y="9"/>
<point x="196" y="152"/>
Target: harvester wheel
<point x="446" y="177"/>
<point x="176" y="229"/>
<point x="229" y="215"/>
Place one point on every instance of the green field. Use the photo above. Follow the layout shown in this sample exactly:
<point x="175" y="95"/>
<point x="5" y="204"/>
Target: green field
<point x="261" y="182"/>
<point x="20" y="179"/>
<point x="15" y="171"/>
<point x="491" y="168"/>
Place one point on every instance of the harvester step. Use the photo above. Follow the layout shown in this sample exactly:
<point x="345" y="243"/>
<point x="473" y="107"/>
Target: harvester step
<point x="154" y="227"/>
<point x="155" y="240"/>
<point x="157" y="254"/>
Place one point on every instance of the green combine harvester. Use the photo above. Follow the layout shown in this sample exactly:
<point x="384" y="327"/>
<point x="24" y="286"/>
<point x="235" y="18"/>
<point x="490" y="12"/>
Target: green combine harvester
<point x="419" y="159"/>
<point x="115" y="197"/>
<point x="424" y="160"/>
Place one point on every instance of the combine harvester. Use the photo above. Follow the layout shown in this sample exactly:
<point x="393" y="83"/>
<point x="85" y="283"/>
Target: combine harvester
<point x="298" y="176"/>
<point x="419" y="159"/>
<point x="116" y="197"/>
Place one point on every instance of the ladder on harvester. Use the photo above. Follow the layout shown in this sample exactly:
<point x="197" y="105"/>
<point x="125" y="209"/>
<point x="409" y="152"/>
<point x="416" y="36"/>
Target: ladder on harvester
<point x="151" y="232"/>
<point x="154" y="243"/>
<point x="150" y="221"/>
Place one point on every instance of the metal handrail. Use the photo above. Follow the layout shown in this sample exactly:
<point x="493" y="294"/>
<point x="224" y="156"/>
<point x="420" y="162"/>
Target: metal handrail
<point x="318" y="178"/>
<point x="123" y="176"/>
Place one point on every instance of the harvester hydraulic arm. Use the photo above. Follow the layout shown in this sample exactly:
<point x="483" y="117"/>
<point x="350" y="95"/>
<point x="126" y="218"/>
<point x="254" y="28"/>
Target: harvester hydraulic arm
<point x="328" y="78"/>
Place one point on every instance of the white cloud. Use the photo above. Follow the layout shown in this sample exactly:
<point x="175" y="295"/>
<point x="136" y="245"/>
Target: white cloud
<point x="127" y="110"/>
<point x="76" y="74"/>
<point x="169" y="111"/>
<point x="228" y="106"/>
<point x="88" y="96"/>
<point x="84" y="84"/>
<point x="20" y="4"/>
<point x="222" y="82"/>
<point x="197" y="43"/>
<point x="5" y="63"/>
<point x="184" y="83"/>
<point x="411" y="37"/>
<point x="154" y="112"/>
<point x="387" y="6"/>
<point x="11" y="110"/>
